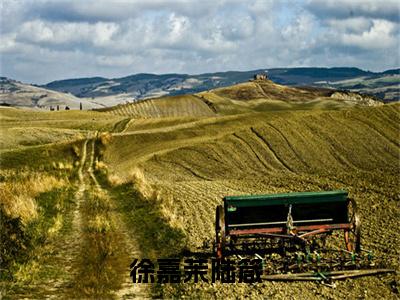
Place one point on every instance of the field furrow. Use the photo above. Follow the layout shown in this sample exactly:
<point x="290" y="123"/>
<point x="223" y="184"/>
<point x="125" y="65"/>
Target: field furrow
<point x="271" y="149"/>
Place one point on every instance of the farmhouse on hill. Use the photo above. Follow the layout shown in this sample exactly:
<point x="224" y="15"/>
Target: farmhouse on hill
<point x="260" y="77"/>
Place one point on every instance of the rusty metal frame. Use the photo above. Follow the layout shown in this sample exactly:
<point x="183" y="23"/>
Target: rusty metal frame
<point x="279" y="231"/>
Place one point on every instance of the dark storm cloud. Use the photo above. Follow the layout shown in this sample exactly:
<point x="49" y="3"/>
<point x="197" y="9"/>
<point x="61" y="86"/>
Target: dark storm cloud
<point x="343" y="9"/>
<point x="116" y="11"/>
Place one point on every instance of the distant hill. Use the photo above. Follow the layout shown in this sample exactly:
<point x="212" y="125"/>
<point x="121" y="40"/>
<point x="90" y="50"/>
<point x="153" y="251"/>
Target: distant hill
<point x="97" y="92"/>
<point x="18" y="94"/>
<point x="384" y="85"/>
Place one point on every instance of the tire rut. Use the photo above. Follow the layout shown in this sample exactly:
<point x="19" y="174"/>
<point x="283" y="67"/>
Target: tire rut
<point x="91" y="163"/>
<point x="186" y="168"/>
<point x="330" y="143"/>
<point x="261" y="161"/>
<point x="373" y="128"/>
<point x="271" y="150"/>
<point x="289" y="144"/>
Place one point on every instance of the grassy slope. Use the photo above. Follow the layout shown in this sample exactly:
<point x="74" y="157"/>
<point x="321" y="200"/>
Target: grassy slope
<point x="22" y="129"/>
<point x="308" y="140"/>
<point x="174" y="106"/>
<point x="193" y="165"/>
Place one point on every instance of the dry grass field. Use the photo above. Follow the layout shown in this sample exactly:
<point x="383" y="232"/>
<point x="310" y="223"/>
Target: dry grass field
<point x="143" y="180"/>
<point x="193" y="166"/>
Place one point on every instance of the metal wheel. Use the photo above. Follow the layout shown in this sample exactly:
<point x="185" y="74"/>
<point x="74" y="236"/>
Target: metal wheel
<point x="220" y="238"/>
<point x="352" y="237"/>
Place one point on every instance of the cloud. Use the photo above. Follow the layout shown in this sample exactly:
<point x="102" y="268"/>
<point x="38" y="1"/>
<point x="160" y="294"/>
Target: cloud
<point x="351" y="25"/>
<point x="44" y="40"/>
<point x="343" y="9"/>
<point x="379" y="36"/>
<point x="358" y="29"/>
<point x="45" y="33"/>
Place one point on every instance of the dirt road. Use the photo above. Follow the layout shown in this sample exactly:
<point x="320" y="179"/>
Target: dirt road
<point x="91" y="255"/>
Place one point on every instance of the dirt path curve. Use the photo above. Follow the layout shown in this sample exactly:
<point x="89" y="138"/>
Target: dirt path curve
<point x="127" y="125"/>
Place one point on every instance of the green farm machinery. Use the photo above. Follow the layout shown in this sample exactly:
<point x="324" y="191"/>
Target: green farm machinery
<point x="293" y="232"/>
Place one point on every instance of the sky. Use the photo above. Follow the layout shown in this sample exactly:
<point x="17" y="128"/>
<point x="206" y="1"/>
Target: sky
<point x="44" y="40"/>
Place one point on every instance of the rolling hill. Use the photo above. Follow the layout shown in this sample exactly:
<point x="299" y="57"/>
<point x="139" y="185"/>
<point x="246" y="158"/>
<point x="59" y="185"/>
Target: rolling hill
<point x="256" y="95"/>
